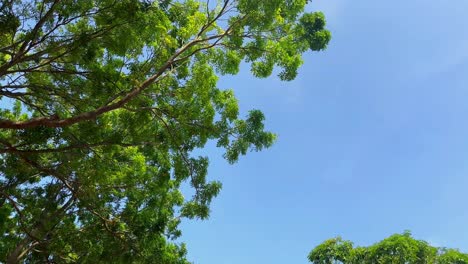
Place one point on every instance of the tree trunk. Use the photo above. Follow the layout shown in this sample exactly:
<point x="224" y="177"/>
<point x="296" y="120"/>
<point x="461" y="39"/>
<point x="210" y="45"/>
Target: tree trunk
<point x="19" y="252"/>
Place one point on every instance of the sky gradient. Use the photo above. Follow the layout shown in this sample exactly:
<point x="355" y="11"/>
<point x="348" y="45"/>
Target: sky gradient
<point x="372" y="140"/>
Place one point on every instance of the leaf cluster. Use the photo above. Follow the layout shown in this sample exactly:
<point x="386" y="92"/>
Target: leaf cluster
<point x="396" y="249"/>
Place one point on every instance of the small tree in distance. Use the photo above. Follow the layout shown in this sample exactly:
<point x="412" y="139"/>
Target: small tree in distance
<point x="396" y="249"/>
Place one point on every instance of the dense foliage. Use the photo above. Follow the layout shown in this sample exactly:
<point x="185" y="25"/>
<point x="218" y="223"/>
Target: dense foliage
<point x="396" y="249"/>
<point x="103" y="103"/>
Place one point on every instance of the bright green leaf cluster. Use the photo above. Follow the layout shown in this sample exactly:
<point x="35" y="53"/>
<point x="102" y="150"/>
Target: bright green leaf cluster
<point x="396" y="249"/>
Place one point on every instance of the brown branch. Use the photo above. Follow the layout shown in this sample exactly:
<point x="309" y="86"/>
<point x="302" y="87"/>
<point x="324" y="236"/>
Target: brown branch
<point x="55" y="121"/>
<point x="13" y="94"/>
<point x="21" y="217"/>
<point x="75" y="196"/>
<point x="28" y="41"/>
<point x="68" y="44"/>
<point x="31" y="240"/>
<point x="73" y="147"/>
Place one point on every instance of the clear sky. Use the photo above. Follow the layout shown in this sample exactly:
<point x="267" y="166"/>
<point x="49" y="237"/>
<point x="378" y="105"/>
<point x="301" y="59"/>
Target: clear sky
<point x="373" y="140"/>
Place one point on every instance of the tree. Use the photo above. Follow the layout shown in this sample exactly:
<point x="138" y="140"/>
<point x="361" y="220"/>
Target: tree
<point x="396" y="249"/>
<point x="103" y="103"/>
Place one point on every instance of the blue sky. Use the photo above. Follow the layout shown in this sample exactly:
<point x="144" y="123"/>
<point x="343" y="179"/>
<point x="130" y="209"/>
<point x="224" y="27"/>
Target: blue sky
<point x="373" y="140"/>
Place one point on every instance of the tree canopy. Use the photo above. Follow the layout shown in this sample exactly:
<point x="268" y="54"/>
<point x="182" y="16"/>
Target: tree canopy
<point x="396" y="249"/>
<point x="103" y="103"/>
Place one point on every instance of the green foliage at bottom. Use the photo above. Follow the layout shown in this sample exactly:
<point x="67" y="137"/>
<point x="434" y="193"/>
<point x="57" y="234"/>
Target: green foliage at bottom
<point x="396" y="249"/>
